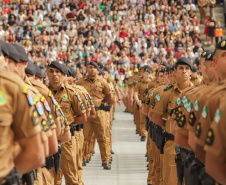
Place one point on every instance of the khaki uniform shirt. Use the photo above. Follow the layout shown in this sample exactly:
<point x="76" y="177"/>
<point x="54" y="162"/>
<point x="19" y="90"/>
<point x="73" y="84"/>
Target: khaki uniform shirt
<point x="98" y="88"/>
<point x="69" y="101"/>
<point x="90" y="100"/>
<point x="141" y="88"/>
<point x="18" y="118"/>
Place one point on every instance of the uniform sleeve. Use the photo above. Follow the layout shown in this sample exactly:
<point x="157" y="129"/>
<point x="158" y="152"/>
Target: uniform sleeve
<point x="136" y="87"/>
<point x="216" y="135"/>
<point x="77" y="106"/>
<point x="161" y="101"/>
<point x="26" y="121"/>
<point x="106" y="89"/>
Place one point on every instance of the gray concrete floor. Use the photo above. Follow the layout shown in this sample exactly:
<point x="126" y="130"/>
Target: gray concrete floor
<point x="129" y="164"/>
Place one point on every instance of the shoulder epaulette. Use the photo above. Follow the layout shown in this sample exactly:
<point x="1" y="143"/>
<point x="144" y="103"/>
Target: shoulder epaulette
<point x="70" y="88"/>
<point x="168" y="87"/>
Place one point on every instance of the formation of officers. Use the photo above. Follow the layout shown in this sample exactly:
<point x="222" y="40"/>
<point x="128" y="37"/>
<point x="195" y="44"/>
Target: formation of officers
<point x="50" y="131"/>
<point x="182" y="117"/>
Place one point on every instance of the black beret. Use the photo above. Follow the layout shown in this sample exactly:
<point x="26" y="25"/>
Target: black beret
<point x="30" y="69"/>
<point x="56" y="65"/>
<point x="101" y="72"/>
<point x="155" y="60"/>
<point x="205" y="53"/>
<point x="209" y="56"/>
<point x="72" y="72"/>
<point x="147" y="70"/>
<point x="4" y="47"/>
<point x="13" y="53"/>
<point x="22" y="52"/>
<point x="184" y="61"/>
<point x="100" y="65"/>
<point x="165" y="64"/>
<point x="148" y="67"/>
<point x="221" y="45"/>
<point x="93" y="64"/>
<point x="38" y="71"/>
<point x="194" y="69"/>
<point x="141" y="67"/>
<point x="162" y="71"/>
<point x="66" y="70"/>
<point x="173" y="67"/>
<point x="107" y="69"/>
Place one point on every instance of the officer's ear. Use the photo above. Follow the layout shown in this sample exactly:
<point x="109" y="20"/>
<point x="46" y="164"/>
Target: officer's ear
<point x="214" y="63"/>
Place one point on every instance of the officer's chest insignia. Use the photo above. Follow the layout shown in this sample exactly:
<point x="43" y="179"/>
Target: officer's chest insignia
<point x="82" y="106"/>
<point x="45" y="125"/>
<point x="35" y="118"/>
<point x="78" y="96"/>
<point x="147" y="86"/>
<point x="99" y="84"/>
<point x="45" y="103"/>
<point x="168" y="87"/>
<point x="52" y="97"/>
<point x="198" y="130"/>
<point x="65" y="96"/>
<point x="184" y="99"/>
<point x="57" y="111"/>
<point x="3" y="98"/>
<point x="158" y="97"/>
<point x="178" y="101"/>
<point x="192" y="119"/>
<point x="50" y="119"/>
<point x="204" y="112"/>
<point x="217" y="116"/>
<point x="39" y="107"/>
<point x="196" y="105"/>
<point x="210" y="137"/>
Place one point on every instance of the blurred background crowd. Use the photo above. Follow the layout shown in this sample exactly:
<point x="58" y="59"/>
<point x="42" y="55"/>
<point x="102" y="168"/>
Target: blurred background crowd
<point x="121" y="34"/>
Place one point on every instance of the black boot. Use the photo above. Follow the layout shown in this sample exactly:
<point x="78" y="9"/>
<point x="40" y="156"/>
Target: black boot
<point x="143" y="138"/>
<point x="106" y="166"/>
<point x="112" y="152"/>
<point x="83" y="163"/>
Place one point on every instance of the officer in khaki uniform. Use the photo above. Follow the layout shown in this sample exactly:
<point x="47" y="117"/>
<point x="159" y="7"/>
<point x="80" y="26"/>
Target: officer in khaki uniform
<point x="165" y="101"/>
<point x="99" y="91"/>
<point x="74" y="111"/>
<point x="139" y="96"/>
<point x="19" y="122"/>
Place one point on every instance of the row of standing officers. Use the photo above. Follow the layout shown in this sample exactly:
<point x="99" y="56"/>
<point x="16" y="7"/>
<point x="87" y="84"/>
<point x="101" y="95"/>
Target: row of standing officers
<point x="50" y="131"/>
<point x="181" y="115"/>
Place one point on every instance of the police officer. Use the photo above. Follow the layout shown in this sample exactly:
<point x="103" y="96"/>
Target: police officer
<point x="74" y="112"/>
<point x="165" y="101"/>
<point x="99" y="91"/>
<point x="21" y="125"/>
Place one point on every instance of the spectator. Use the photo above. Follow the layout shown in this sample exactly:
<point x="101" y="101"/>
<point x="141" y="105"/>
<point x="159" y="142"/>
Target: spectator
<point x="48" y="16"/>
<point x="219" y="32"/>
<point x="212" y="25"/>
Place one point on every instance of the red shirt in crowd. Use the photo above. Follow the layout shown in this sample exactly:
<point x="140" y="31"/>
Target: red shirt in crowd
<point x="123" y="34"/>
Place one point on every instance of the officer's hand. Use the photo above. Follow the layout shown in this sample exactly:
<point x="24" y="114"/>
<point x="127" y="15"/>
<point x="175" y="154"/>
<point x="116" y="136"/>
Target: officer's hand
<point x="119" y="101"/>
<point x="139" y="103"/>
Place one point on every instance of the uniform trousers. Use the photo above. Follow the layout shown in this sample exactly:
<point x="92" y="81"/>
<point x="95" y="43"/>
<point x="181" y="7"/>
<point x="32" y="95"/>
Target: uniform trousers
<point x="142" y="129"/>
<point x="97" y="124"/>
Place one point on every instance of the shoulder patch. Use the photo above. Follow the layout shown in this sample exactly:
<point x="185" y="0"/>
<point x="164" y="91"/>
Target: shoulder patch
<point x="45" y="125"/>
<point x="51" y="119"/>
<point x="158" y="97"/>
<point x="52" y="97"/>
<point x="30" y="98"/>
<point x="35" y="118"/>
<point x="210" y="137"/>
<point x="82" y="106"/>
<point x="217" y="116"/>
<point x="181" y="121"/>
<point x="45" y="103"/>
<point x="78" y="96"/>
<point x="57" y="111"/>
<point x="3" y="98"/>
<point x="65" y="121"/>
<point x="192" y="119"/>
<point x="198" y="130"/>
<point x="168" y="87"/>
<point x="38" y="106"/>
<point x="91" y="102"/>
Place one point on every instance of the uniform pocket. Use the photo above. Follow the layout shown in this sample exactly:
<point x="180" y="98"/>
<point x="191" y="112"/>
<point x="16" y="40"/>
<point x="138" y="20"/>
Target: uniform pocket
<point x="65" y="106"/>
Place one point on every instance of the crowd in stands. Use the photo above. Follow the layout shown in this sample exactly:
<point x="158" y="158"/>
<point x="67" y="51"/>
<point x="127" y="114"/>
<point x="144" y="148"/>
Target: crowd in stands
<point x="122" y="34"/>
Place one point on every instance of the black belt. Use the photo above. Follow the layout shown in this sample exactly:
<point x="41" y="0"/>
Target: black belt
<point x="77" y="127"/>
<point x="143" y="101"/>
<point x="13" y="177"/>
<point x="82" y="126"/>
<point x="169" y="137"/>
<point x="102" y="107"/>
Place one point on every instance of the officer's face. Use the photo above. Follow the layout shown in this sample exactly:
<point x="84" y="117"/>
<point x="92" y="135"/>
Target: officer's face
<point x="220" y="61"/>
<point x="202" y="68"/>
<point x="146" y="75"/>
<point x="70" y="80"/>
<point x="91" y="70"/>
<point x="54" y="75"/>
<point x="20" y="70"/>
<point x="183" y="73"/>
<point x="161" y="78"/>
<point x="11" y="65"/>
<point x="2" y="61"/>
<point x="210" y="71"/>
